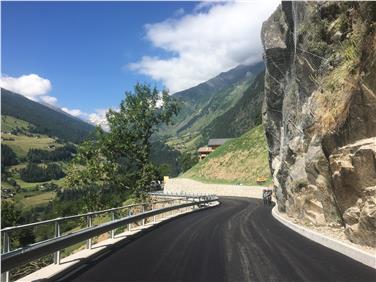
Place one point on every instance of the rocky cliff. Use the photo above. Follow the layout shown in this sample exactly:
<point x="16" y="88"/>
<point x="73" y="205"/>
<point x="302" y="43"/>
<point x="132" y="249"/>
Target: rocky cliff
<point x="319" y="113"/>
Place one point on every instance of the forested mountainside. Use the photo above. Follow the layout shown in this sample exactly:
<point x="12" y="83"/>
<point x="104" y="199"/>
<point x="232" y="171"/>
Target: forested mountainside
<point x="45" y="120"/>
<point x="320" y="114"/>
<point x="213" y="96"/>
<point x="245" y="114"/>
<point x="217" y="108"/>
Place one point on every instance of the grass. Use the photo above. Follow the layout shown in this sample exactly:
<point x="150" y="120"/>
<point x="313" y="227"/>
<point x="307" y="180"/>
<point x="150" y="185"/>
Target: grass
<point x="22" y="143"/>
<point x="32" y="199"/>
<point x="337" y="88"/>
<point x="239" y="161"/>
<point x="29" y="185"/>
<point x="9" y="123"/>
<point x="186" y="142"/>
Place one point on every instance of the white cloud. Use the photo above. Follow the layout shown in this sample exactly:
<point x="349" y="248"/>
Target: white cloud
<point x="159" y="103"/>
<point x="49" y="100"/>
<point x="99" y="118"/>
<point x="32" y="85"/>
<point x="215" y="38"/>
<point x="179" y="12"/>
<point x="36" y="88"/>
<point x="73" y="112"/>
<point x="204" y="5"/>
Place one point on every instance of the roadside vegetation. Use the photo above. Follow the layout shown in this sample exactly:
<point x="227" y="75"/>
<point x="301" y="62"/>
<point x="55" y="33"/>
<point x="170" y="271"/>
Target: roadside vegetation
<point x="41" y="173"/>
<point x="121" y="158"/>
<point x="44" y="177"/>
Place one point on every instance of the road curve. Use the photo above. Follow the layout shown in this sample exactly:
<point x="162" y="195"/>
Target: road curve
<point x="236" y="241"/>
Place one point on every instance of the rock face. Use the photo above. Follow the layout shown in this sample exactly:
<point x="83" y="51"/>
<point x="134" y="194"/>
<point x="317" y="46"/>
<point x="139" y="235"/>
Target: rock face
<point x="353" y="170"/>
<point x="319" y="113"/>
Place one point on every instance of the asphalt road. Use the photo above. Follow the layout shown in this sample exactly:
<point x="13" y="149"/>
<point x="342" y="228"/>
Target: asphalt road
<point x="236" y="241"/>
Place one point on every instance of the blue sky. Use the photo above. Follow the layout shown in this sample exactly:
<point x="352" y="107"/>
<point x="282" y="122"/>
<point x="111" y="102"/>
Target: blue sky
<point x="84" y="55"/>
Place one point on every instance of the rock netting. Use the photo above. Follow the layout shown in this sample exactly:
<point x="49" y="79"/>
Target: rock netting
<point x="319" y="113"/>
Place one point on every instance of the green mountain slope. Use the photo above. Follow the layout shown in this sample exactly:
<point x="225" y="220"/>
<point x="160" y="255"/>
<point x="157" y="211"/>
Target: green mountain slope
<point x="245" y="114"/>
<point x="241" y="161"/>
<point x="45" y="120"/>
<point x="203" y="103"/>
<point x="225" y="106"/>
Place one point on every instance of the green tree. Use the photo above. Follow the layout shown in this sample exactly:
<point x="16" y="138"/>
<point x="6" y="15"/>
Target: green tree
<point x="35" y="173"/>
<point x="8" y="157"/>
<point x="122" y="156"/>
<point x="165" y="170"/>
<point x="9" y="214"/>
<point x="188" y="160"/>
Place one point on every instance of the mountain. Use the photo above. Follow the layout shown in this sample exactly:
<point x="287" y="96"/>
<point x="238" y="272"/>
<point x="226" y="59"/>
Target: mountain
<point x="215" y="104"/>
<point x="242" y="160"/>
<point x="46" y="120"/>
<point x="245" y="114"/>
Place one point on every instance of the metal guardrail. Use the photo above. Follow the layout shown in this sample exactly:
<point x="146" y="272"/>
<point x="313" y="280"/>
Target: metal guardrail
<point x="161" y="193"/>
<point x="6" y="246"/>
<point x="12" y="259"/>
<point x="12" y="228"/>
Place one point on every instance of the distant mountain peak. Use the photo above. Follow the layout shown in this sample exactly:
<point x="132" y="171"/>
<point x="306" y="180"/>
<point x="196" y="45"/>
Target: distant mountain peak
<point x="46" y="118"/>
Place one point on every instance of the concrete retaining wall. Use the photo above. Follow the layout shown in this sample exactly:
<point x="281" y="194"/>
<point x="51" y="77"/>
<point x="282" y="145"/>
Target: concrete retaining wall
<point x="179" y="185"/>
<point x="343" y="248"/>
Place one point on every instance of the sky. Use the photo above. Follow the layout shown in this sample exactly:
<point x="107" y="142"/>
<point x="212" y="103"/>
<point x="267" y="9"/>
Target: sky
<point x="83" y="56"/>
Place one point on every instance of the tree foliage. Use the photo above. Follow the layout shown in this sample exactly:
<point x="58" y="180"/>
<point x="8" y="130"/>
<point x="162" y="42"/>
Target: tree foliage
<point x="8" y="156"/>
<point x="35" y="173"/>
<point x="9" y="214"/>
<point x="188" y="160"/>
<point x="122" y="156"/>
<point x="64" y="153"/>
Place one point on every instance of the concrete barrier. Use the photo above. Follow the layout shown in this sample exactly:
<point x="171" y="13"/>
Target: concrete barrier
<point x="336" y="245"/>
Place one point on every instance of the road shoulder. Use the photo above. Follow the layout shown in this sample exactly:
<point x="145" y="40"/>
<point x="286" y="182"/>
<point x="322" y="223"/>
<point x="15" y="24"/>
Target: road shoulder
<point x="355" y="253"/>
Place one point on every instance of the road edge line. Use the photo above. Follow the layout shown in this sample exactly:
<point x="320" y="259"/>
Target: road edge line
<point x="336" y="245"/>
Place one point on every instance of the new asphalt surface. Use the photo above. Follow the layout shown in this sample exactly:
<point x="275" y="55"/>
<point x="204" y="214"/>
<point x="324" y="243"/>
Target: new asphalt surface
<point x="237" y="241"/>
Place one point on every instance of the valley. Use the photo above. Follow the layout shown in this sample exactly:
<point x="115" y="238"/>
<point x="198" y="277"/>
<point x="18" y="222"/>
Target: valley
<point x="37" y="144"/>
<point x="17" y="136"/>
<point x="227" y="106"/>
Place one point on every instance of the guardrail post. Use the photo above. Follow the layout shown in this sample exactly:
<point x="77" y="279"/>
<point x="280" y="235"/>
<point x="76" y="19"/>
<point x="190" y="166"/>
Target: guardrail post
<point x="57" y="234"/>
<point x="129" y="224"/>
<point x="162" y="214"/>
<point x="113" y="230"/>
<point x="152" y="208"/>
<point x="6" y="244"/>
<point x="143" y="210"/>
<point x="6" y="248"/>
<point x="89" y="224"/>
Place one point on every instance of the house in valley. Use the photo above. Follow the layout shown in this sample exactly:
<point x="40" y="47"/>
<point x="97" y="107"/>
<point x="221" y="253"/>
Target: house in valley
<point x="212" y="145"/>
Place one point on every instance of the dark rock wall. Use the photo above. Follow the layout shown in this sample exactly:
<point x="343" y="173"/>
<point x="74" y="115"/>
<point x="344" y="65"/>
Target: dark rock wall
<point x="320" y="86"/>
